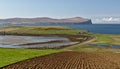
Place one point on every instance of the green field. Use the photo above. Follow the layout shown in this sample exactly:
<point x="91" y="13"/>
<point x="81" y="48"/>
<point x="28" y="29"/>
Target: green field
<point x="98" y="38"/>
<point x="102" y="38"/>
<point x="32" y="30"/>
<point x="9" y="56"/>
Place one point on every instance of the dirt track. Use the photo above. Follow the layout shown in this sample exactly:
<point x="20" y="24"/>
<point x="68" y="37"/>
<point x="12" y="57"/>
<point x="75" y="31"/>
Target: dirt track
<point x="70" y="60"/>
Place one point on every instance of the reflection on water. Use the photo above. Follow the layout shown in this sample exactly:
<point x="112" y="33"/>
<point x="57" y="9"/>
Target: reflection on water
<point x="105" y="45"/>
<point x="15" y="41"/>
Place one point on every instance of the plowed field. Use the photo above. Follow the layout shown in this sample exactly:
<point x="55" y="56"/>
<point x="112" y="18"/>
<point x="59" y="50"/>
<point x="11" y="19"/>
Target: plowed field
<point x="70" y="60"/>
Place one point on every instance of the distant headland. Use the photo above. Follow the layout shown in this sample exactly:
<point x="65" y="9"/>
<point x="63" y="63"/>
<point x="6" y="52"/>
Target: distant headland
<point x="74" y="20"/>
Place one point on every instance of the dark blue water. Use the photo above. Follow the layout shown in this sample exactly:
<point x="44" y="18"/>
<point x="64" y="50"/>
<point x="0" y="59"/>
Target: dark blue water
<point x="105" y="45"/>
<point x="94" y="28"/>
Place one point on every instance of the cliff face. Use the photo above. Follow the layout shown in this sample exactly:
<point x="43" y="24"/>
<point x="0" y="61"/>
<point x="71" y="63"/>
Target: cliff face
<point x="86" y="22"/>
<point x="76" y="20"/>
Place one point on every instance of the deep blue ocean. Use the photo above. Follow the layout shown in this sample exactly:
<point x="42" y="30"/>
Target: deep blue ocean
<point x="94" y="28"/>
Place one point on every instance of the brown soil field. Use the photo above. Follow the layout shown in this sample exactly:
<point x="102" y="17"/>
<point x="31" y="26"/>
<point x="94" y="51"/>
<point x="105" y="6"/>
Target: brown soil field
<point x="70" y="60"/>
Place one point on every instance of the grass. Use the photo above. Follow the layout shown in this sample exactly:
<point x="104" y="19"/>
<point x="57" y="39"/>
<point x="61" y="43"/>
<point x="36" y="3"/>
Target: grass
<point x="99" y="38"/>
<point x="93" y="49"/>
<point x="102" y="38"/>
<point x="31" y="30"/>
<point x="9" y="56"/>
<point x="107" y="39"/>
<point x="115" y="38"/>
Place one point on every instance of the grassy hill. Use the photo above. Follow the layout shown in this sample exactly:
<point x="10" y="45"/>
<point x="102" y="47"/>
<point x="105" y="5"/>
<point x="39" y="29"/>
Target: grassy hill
<point x="32" y="30"/>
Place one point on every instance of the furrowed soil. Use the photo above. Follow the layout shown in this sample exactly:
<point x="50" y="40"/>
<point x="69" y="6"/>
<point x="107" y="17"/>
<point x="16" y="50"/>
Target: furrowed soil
<point x="70" y="60"/>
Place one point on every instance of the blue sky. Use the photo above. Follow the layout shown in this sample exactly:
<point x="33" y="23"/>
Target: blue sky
<point x="97" y="10"/>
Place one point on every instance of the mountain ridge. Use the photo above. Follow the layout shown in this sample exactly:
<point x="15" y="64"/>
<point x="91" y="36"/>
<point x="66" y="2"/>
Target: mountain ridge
<point x="45" y="20"/>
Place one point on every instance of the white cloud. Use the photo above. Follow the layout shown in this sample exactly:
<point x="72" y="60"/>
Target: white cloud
<point x="107" y="20"/>
<point x="111" y="19"/>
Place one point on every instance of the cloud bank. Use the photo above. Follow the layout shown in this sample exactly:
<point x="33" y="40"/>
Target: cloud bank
<point x="111" y="19"/>
<point x="107" y="20"/>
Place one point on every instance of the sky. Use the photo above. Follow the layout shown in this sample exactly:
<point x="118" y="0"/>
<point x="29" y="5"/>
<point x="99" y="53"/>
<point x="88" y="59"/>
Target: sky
<point x="100" y="11"/>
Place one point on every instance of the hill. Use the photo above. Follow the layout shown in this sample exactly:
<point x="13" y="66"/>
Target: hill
<point x="45" y="20"/>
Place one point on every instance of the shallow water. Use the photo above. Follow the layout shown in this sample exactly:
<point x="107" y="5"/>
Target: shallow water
<point x="105" y="45"/>
<point x="16" y="41"/>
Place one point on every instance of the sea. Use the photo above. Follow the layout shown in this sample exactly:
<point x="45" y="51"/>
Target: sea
<point x="93" y="28"/>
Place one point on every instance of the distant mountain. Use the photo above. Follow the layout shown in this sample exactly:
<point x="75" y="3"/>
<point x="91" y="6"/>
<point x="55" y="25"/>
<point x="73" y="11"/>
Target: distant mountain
<point x="45" y="20"/>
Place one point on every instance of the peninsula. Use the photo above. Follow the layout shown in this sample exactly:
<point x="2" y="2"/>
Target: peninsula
<point x="38" y="20"/>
